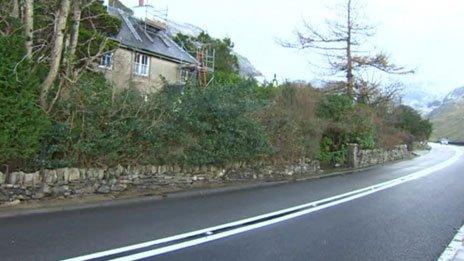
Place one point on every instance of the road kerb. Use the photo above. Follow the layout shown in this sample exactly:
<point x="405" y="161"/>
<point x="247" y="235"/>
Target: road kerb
<point x="455" y="250"/>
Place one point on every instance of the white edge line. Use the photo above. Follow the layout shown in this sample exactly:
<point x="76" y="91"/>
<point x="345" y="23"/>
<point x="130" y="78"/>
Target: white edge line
<point x="342" y="198"/>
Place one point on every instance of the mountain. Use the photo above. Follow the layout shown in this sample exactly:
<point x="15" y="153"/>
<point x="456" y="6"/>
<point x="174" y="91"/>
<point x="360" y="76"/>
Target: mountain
<point x="421" y="99"/>
<point x="184" y="28"/>
<point x="448" y="119"/>
<point x="245" y="66"/>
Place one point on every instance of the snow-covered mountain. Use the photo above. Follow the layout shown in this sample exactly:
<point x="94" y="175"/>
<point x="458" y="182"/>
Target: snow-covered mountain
<point x="246" y="67"/>
<point x="421" y="99"/>
<point x="448" y="119"/>
<point x="184" y="28"/>
<point x="455" y="96"/>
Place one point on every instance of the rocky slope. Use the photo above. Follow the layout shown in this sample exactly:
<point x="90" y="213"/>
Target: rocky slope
<point x="448" y="119"/>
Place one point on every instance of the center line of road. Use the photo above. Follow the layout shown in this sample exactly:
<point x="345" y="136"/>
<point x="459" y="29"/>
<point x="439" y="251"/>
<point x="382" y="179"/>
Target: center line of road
<point x="177" y="242"/>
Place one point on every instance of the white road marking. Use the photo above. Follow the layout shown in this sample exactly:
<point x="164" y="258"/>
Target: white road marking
<point x="329" y="202"/>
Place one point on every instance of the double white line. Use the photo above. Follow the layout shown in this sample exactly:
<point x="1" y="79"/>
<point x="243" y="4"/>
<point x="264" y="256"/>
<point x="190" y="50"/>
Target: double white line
<point x="226" y="230"/>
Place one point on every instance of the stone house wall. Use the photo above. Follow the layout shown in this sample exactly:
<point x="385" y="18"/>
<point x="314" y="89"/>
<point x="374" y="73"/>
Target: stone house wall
<point x="121" y="72"/>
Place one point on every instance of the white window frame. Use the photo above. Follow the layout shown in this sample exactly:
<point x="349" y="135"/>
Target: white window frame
<point x="141" y="64"/>
<point x="185" y="75"/>
<point x="106" y="61"/>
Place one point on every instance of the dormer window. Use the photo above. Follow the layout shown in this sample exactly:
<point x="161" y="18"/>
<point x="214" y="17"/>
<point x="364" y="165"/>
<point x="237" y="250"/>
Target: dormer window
<point x="106" y="61"/>
<point x="141" y="64"/>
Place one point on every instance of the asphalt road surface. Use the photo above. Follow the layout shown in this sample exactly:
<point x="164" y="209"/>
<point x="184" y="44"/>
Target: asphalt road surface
<point x="410" y="210"/>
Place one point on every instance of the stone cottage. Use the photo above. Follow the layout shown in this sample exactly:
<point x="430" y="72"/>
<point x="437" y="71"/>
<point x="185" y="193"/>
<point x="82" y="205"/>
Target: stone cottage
<point x="146" y="56"/>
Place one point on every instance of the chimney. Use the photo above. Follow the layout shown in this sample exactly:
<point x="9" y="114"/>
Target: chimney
<point x="141" y="2"/>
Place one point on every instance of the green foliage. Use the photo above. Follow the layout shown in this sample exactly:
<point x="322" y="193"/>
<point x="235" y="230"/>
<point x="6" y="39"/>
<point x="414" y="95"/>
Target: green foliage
<point x="99" y="126"/>
<point x="335" y="107"/>
<point x="347" y="123"/>
<point x="22" y="122"/>
<point x="212" y="125"/>
<point x="363" y="127"/>
<point x="410" y="121"/>
<point x="95" y="27"/>
<point x="94" y="32"/>
<point x="96" y="125"/>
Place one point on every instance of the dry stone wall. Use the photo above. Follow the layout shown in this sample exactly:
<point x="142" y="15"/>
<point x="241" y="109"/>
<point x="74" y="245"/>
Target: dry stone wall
<point x="358" y="158"/>
<point x="74" y="182"/>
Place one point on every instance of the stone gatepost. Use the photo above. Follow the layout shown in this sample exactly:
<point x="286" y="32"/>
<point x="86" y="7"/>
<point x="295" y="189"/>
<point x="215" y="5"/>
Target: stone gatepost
<point x="353" y="155"/>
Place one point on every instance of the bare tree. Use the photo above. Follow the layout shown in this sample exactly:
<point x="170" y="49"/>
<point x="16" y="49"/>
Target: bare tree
<point x="341" y="43"/>
<point x="374" y="94"/>
<point x="28" y="26"/>
<point x="56" y="50"/>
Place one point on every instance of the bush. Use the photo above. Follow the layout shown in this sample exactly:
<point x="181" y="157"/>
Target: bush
<point x="335" y="107"/>
<point x="212" y="125"/>
<point x="410" y="121"/>
<point x="23" y="122"/>
<point x="290" y="121"/>
<point x="97" y="125"/>
<point x="347" y="123"/>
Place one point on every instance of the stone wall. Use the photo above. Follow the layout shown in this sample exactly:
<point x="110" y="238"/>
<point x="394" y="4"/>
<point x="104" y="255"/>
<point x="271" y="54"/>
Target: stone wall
<point x="358" y="158"/>
<point x="74" y="182"/>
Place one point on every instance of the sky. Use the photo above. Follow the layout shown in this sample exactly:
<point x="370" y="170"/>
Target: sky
<point x="424" y="35"/>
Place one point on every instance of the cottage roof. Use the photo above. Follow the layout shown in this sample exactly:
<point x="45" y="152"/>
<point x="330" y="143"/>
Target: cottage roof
<point x="135" y="34"/>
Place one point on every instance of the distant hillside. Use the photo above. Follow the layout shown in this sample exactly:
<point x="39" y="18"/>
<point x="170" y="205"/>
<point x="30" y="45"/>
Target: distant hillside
<point x="448" y="119"/>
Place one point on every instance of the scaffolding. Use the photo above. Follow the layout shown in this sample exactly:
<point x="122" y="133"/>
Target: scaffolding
<point x="203" y="72"/>
<point x="156" y="21"/>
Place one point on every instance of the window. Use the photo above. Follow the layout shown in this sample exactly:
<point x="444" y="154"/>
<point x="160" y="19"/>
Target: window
<point x="185" y="76"/>
<point x="106" y="61"/>
<point x="141" y="64"/>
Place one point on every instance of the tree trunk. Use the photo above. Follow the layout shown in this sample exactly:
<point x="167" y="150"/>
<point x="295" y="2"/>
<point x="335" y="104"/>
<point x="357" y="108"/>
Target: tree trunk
<point x="29" y="25"/>
<point x="15" y="10"/>
<point x="349" y="57"/>
<point x="73" y="38"/>
<point x="76" y="18"/>
<point x="56" y="51"/>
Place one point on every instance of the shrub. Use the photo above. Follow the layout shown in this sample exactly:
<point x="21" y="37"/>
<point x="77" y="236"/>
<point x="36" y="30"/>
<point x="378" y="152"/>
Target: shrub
<point x="410" y="121"/>
<point x="97" y="125"/>
<point x="212" y="125"/>
<point x="335" y="107"/>
<point x="347" y="123"/>
<point x="290" y="121"/>
<point x="22" y="121"/>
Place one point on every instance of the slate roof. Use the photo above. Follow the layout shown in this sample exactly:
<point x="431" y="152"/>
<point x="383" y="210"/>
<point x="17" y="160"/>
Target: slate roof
<point x="155" y="42"/>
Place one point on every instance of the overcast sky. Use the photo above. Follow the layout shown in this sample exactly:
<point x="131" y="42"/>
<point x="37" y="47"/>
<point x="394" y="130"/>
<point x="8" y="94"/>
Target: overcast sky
<point x="426" y="35"/>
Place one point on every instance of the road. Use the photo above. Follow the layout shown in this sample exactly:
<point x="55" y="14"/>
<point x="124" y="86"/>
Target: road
<point x="412" y="215"/>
